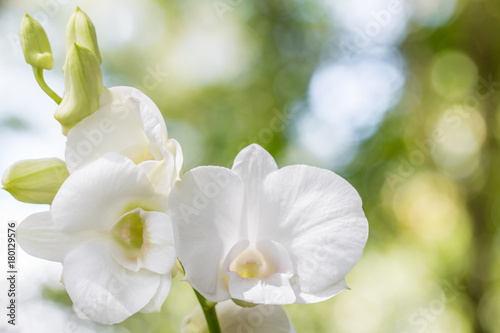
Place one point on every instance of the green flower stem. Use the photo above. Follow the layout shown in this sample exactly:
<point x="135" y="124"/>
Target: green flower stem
<point x="41" y="82"/>
<point x="210" y="314"/>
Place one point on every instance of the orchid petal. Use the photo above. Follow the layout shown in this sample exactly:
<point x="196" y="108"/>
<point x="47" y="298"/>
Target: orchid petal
<point x="104" y="290"/>
<point x="113" y="182"/>
<point x="205" y="208"/>
<point x="159" y="298"/>
<point x="115" y="127"/>
<point x="318" y="218"/>
<point x="253" y="164"/>
<point x="40" y="237"/>
<point x="158" y="253"/>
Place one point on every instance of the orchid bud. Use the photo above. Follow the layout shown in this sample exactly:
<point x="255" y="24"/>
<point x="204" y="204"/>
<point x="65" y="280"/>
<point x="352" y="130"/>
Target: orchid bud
<point x="35" y="181"/>
<point x="82" y="87"/>
<point x="81" y="30"/>
<point x="35" y="44"/>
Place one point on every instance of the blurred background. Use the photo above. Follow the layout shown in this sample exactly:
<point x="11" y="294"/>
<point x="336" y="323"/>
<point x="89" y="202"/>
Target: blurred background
<point x="398" y="96"/>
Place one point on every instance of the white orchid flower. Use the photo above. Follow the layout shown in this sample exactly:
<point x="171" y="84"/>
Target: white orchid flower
<point x="262" y="235"/>
<point x="107" y="226"/>
<point x="129" y="123"/>
<point x="234" y="318"/>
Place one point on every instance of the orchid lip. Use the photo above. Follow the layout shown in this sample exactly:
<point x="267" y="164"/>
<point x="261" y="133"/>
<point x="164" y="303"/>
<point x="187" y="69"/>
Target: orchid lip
<point x="257" y="261"/>
<point x="252" y="264"/>
<point x="128" y="232"/>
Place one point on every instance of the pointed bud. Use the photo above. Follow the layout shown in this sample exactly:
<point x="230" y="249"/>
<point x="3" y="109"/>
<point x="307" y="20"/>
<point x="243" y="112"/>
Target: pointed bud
<point x="35" y="44"/>
<point x="35" y="181"/>
<point x="81" y="30"/>
<point x="82" y="87"/>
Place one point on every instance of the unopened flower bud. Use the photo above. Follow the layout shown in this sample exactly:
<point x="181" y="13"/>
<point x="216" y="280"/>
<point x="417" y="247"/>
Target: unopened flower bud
<point x="82" y="87"/>
<point x="35" y="181"/>
<point x="81" y="30"/>
<point x="35" y="44"/>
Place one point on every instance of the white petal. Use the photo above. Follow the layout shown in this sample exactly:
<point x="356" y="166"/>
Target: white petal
<point x="102" y="289"/>
<point x="161" y="295"/>
<point x="151" y="116"/>
<point x="324" y="294"/>
<point x="173" y="158"/>
<point x="158" y="251"/>
<point x="163" y="175"/>
<point x="152" y="119"/>
<point x="278" y="255"/>
<point x="94" y="196"/>
<point x="79" y="313"/>
<point x="275" y="289"/>
<point x="317" y="216"/>
<point x="156" y="131"/>
<point x="205" y="208"/>
<point x="39" y="237"/>
<point x="166" y="170"/>
<point x="175" y="148"/>
<point x="233" y="318"/>
<point x="253" y="164"/>
<point x="115" y="127"/>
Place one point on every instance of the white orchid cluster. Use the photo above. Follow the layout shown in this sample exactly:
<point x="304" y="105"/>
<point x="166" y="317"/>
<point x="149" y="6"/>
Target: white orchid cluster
<point x="122" y="211"/>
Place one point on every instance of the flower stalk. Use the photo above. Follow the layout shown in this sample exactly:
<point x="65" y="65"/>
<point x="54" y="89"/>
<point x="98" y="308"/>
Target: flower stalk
<point x="209" y="312"/>
<point x="38" y="72"/>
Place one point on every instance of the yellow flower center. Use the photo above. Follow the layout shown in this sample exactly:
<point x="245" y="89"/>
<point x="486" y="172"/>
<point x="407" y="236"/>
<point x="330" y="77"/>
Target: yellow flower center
<point x="128" y="232"/>
<point x="252" y="264"/>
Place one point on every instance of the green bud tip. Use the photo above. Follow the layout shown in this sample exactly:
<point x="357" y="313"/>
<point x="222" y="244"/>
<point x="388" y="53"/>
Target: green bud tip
<point x="35" y="181"/>
<point x="35" y="44"/>
<point x="81" y="30"/>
